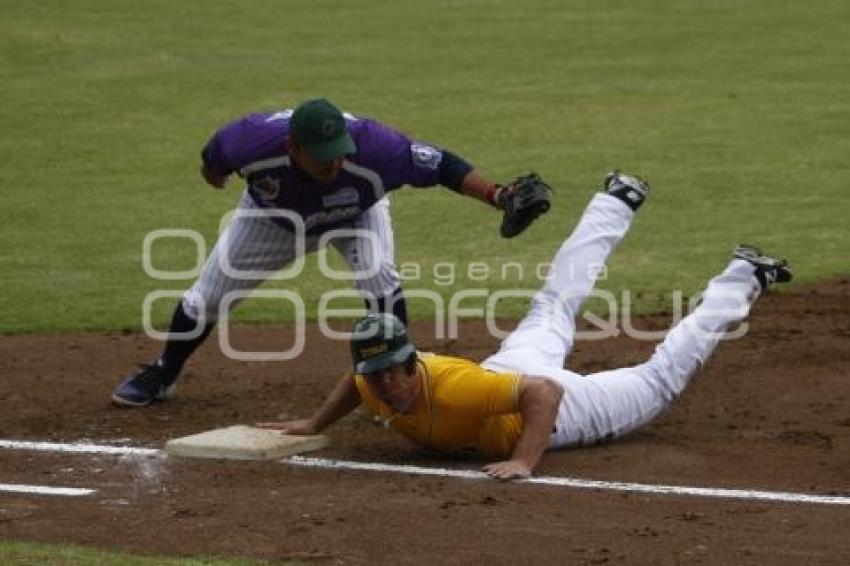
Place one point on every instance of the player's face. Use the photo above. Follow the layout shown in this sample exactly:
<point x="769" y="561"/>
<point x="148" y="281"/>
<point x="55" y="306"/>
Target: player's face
<point x="324" y="172"/>
<point x="394" y="387"/>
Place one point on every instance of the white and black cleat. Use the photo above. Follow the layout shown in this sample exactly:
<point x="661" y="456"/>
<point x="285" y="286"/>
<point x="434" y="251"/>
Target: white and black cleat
<point x="769" y="270"/>
<point x="630" y="189"/>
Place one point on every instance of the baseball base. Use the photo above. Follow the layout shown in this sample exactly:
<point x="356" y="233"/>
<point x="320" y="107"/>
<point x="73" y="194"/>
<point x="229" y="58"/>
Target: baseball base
<point x="242" y="442"/>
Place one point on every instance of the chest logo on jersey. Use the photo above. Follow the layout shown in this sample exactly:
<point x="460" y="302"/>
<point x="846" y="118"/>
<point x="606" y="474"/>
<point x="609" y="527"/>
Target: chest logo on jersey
<point x="267" y="188"/>
<point x="330" y="216"/>
<point x="342" y="197"/>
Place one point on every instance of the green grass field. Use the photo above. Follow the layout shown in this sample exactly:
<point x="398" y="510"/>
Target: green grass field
<point x="26" y="554"/>
<point x="736" y="111"/>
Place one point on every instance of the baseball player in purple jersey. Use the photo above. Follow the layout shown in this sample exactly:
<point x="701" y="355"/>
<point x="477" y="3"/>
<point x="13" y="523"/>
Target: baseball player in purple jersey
<point x="309" y="171"/>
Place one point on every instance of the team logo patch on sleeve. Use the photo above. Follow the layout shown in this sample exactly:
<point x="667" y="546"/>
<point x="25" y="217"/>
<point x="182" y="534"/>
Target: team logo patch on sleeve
<point x="425" y="155"/>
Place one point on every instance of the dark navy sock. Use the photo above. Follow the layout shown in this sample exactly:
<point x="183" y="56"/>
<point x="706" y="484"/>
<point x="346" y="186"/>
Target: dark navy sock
<point x="177" y="351"/>
<point x="397" y="302"/>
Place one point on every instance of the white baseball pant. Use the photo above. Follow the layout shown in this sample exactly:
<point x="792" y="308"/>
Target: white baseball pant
<point x="253" y="247"/>
<point x="609" y="404"/>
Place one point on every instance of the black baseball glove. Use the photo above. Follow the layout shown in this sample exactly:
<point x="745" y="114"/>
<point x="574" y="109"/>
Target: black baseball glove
<point x="523" y="200"/>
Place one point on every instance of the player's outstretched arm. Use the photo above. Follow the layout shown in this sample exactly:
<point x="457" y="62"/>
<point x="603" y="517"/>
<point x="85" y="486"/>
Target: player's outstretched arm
<point x="523" y="200"/>
<point x="538" y="404"/>
<point x="477" y="186"/>
<point x="343" y="399"/>
<point x="459" y="175"/>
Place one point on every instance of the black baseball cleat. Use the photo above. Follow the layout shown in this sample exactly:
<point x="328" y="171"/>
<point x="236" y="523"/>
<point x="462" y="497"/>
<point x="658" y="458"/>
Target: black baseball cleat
<point x="630" y="189"/>
<point x="148" y="383"/>
<point x="769" y="270"/>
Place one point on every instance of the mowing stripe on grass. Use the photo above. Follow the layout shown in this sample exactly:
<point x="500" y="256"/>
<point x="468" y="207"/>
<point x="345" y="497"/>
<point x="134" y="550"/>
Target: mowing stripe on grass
<point x="44" y="490"/>
<point x="324" y="463"/>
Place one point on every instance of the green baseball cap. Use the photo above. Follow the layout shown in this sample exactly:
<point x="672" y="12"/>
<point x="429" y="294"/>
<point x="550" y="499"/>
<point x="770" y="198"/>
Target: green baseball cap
<point x="319" y="126"/>
<point x="379" y="341"/>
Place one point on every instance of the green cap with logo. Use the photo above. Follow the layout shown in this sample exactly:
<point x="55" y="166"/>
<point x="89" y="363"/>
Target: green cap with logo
<point x="319" y="127"/>
<point x="379" y="341"/>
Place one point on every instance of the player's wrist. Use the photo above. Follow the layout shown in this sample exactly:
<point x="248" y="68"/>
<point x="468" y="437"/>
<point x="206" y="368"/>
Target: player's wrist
<point x="492" y="194"/>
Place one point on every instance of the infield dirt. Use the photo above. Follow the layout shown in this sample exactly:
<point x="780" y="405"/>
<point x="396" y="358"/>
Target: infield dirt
<point x="770" y="411"/>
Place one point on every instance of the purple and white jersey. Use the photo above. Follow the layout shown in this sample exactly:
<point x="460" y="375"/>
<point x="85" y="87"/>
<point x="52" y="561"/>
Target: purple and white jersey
<point x="386" y="159"/>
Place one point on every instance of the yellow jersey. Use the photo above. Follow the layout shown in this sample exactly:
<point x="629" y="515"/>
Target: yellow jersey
<point x="464" y="408"/>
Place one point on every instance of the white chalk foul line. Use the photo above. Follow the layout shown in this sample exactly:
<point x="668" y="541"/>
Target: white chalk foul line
<point x="779" y="496"/>
<point x="776" y="496"/>
<point x="44" y="490"/>
<point x="77" y="448"/>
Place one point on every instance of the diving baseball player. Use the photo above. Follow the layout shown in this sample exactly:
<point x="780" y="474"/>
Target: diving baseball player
<point x="308" y="172"/>
<point x="521" y="401"/>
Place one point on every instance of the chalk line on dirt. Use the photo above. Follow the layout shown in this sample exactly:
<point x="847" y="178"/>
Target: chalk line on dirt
<point x="780" y="496"/>
<point x="324" y="463"/>
<point x="44" y="490"/>
<point x="78" y="448"/>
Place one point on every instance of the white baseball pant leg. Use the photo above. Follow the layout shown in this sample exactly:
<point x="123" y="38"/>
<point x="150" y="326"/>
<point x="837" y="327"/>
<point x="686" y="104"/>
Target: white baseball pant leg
<point x="252" y="247"/>
<point x="609" y="404"/>
<point x="370" y="252"/>
<point x="249" y="250"/>
<point x="545" y="336"/>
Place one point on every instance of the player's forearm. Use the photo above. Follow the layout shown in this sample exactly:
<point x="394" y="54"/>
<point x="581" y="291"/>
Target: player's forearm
<point x="459" y="175"/>
<point x="539" y="408"/>
<point x="343" y="399"/>
<point x="475" y="185"/>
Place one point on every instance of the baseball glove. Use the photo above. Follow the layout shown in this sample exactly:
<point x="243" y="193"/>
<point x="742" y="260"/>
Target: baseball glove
<point x="523" y="200"/>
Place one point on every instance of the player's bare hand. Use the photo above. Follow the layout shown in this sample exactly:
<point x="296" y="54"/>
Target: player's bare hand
<point x="302" y="427"/>
<point x="507" y="470"/>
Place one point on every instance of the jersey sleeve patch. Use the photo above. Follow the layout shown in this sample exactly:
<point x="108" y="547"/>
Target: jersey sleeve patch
<point x="426" y="156"/>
